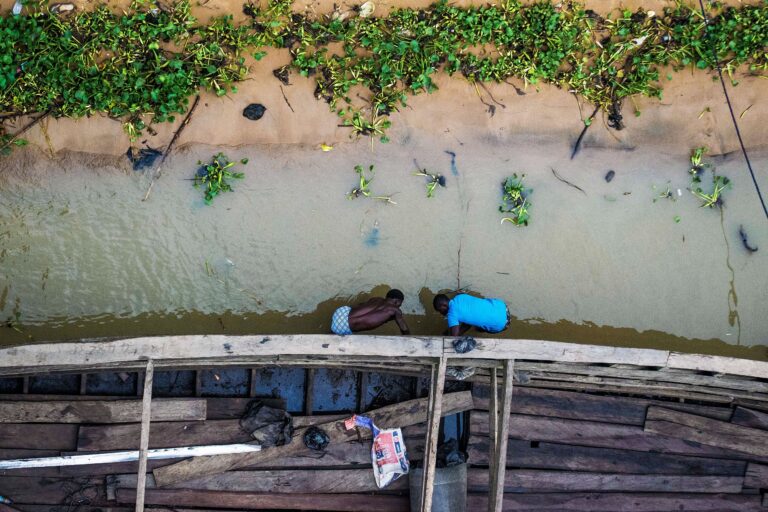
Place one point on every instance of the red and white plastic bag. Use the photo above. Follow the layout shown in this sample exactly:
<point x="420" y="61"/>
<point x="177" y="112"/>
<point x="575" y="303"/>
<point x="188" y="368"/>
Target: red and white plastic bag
<point x="388" y="455"/>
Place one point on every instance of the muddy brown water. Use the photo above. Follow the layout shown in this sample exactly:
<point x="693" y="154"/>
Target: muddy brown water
<point x="81" y="255"/>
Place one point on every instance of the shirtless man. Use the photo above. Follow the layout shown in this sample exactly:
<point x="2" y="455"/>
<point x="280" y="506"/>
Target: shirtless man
<point x="370" y="314"/>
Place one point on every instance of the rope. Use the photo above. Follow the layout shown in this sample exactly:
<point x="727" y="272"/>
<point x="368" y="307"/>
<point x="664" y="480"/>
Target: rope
<point x="733" y="115"/>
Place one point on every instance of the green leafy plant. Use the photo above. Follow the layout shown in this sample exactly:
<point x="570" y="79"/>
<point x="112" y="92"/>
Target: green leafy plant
<point x="433" y="180"/>
<point x="214" y="177"/>
<point x="363" y="187"/>
<point x="715" y="196"/>
<point x="514" y="201"/>
<point x="142" y="65"/>
<point x="697" y="164"/>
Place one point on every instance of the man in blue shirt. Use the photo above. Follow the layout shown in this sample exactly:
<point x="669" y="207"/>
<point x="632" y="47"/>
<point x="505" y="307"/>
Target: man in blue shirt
<point x="465" y="311"/>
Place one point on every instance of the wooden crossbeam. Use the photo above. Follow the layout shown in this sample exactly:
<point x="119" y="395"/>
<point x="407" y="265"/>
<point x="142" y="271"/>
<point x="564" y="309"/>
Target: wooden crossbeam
<point x="433" y="429"/>
<point x="146" y="417"/>
<point x="496" y="496"/>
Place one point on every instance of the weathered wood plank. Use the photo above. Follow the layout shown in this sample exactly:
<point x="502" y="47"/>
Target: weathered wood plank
<point x="434" y="414"/>
<point x="719" y="434"/>
<point x="402" y="414"/>
<point x="756" y="476"/>
<point x="750" y="418"/>
<point x="653" y="387"/>
<point x="146" y="417"/>
<point x="497" y="476"/>
<point x="174" y="434"/>
<point x="624" y="502"/>
<point x="164" y="435"/>
<point x="583" y="406"/>
<point x="99" y="411"/>
<point x="51" y="491"/>
<point x="259" y="501"/>
<point x="529" y="480"/>
<point x="719" y="364"/>
<point x="38" y="437"/>
<point x="501" y="349"/>
<point x="643" y="391"/>
<point x="308" y="481"/>
<point x="520" y="454"/>
<point x="170" y="350"/>
<point x="602" y="435"/>
<point x="652" y="375"/>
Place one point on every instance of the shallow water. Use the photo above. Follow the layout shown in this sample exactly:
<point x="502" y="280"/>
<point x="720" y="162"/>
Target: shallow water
<point x="82" y="255"/>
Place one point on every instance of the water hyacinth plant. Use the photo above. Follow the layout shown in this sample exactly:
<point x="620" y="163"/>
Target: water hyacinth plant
<point x="214" y="176"/>
<point x="514" y="201"/>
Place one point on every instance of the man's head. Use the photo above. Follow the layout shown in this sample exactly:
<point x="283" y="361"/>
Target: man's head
<point x="440" y="303"/>
<point x="395" y="297"/>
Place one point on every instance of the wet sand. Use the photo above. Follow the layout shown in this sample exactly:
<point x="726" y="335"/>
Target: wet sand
<point x="81" y="255"/>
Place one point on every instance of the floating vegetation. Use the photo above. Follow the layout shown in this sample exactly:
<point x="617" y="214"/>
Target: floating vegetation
<point x="142" y="65"/>
<point x="515" y="201"/>
<point x="214" y="177"/>
<point x="363" y="188"/>
<point x="713" y="197"/>
<point x="433" y="180"/>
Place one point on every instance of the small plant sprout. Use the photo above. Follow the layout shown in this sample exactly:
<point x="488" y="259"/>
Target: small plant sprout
<point x="515" y="201"/>
<point x="214" y="177"/>
<point x="433" y="180"/>
<point x="697" y="164"/>
<point x="665" y="193"/>
<point x="363" y="187"/>
<point x="714" y="198"/>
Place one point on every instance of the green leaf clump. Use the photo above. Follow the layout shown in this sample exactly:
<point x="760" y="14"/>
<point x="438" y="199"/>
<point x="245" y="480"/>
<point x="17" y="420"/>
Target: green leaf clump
<point x="515" y="201"/>
<point x="214" y="177"/>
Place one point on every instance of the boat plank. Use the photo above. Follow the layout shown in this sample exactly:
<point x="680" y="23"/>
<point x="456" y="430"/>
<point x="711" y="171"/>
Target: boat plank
<point x="262" y="501"/>
<point x="600" y="435"/>
<point x="750" y="418"/>
<point x="719" y="434"/>
<point x="402" y="414"/>
<point x="520" y="454"/>
<point x="583" y="406"/>
<point x="625" y="502"/>
<point x="307" y="481"/>
<point x="100" y="411"/>
<point x="756" y="476"/>
<point x="651" y="375"/>
<point x="719" y="364"/>
<point x="51" y="491"/>
<point x="488" y="348"/>
<point x="38" y="437"/>
<point x="167" y="351"/>
<point x="527" y="480"/>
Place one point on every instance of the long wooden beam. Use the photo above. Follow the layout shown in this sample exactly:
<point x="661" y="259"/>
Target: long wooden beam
<point x="146" y="417"/>
<point x="433" y="429"/>
<point x="496" y="496"/>
<point x="212" y="350"/>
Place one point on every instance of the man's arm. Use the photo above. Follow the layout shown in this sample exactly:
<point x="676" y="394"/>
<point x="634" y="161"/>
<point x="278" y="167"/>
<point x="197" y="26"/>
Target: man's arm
<point x="400" y="321"/>
<point x="455" y="330"/>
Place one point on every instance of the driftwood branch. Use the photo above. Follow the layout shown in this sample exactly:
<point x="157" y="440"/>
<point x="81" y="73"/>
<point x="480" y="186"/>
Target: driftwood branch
<point x="24" y="130"/>
<point x="577" y="146"/>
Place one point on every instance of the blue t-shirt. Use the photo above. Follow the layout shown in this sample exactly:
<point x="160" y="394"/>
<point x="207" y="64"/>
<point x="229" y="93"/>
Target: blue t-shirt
<point x="488" y="314"/>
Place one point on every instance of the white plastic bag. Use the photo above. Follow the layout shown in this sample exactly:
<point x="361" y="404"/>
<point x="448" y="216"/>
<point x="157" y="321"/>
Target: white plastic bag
<point x="388" y="455"/>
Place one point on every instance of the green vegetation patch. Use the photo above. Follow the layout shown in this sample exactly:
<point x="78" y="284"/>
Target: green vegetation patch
<point x="146" y="63"/>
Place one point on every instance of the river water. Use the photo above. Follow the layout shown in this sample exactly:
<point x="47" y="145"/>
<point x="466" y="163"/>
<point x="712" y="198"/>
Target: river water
<point x="81" y="255"/>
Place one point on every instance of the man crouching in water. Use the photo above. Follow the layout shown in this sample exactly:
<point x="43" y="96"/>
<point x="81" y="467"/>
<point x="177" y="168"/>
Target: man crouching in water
<point x="370" y="315"/>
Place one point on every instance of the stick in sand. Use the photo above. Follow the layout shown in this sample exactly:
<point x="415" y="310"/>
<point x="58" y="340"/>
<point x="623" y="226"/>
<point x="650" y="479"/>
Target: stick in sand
<point x="24" y="130"/>
<point x="577" y="146"/>
<point x="167" y="151"/>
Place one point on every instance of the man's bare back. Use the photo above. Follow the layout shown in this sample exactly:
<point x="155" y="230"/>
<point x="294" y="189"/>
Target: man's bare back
<point x="370" y="315"/>
<point x="375" y="312"/>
